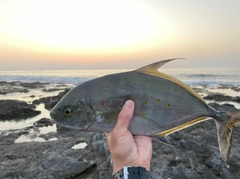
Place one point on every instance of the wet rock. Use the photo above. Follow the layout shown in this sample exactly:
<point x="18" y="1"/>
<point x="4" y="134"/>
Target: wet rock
<point x="220" y="97"/>
<point x="44" y="122"/>
<point x="225" y="86"/>
<point x="6" y="88"/>
<point x="199" y="90"/>
<point x="51" y="89"/>
<point x="20" y="87"/>
<point x="88" y="174"/>
<point x="196" y="154"/>
<point x="14" y="110"/>
<point x="53" y="159"/>
<point x="50" y="102"/>
<point x="223" y="107"/>
<point x="41" y="160"/>
<point x="33" y="85"/>
<point x="229" y="86"/>
<point x="235" y="88"/>
<point x="7" y="139"/>
<point x="62" y="166"/>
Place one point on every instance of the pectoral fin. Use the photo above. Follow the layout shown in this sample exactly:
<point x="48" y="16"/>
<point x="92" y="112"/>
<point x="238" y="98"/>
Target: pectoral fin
<point x="163" y="140"/>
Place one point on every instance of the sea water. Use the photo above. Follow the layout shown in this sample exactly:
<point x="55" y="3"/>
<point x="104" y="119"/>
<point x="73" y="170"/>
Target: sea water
<point x="189" y="76"/>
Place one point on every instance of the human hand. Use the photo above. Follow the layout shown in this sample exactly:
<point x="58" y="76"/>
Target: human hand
<point x="126" y="149"/>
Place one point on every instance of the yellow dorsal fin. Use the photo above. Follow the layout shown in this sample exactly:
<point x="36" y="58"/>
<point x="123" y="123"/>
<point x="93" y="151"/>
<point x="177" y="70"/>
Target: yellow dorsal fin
<point x="152" y="69"/>
<point x="155" y="66"/>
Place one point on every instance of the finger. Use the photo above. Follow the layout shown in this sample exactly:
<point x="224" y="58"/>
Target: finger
<point x="108" y="137"/>
<point x="108" y="134"/>
<point x="124" y="117"/>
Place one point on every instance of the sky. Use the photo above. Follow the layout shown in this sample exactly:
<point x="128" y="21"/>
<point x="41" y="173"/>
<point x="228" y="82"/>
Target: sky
<point x="118" y="34"/>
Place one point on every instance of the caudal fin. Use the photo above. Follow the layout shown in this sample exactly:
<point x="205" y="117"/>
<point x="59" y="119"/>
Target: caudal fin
<point x="225" y="132"/>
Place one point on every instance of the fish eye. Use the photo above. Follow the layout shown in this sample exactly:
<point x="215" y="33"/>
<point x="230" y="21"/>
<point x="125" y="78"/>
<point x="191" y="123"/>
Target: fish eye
<point x="68" y="112"/>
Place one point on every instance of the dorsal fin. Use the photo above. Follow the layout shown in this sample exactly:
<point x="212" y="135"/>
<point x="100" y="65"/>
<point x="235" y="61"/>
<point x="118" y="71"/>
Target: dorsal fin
<point x="152" y="69"/>
<point x="155" y="66"/>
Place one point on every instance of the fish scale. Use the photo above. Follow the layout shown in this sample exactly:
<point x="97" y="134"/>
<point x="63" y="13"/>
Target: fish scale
<point x="163" y="105"/>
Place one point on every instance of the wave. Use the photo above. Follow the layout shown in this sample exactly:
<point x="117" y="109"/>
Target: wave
<point x="189" y="76"/>
<point x="50" y="79"/>
<point x="203" y="75"/>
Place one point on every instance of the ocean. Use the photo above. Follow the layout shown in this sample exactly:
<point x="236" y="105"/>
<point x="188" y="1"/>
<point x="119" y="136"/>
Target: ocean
<point x="211" y="77"/>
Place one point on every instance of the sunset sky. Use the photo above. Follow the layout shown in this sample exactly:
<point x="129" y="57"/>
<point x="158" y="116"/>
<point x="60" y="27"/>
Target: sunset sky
<point x="105" y="34"/>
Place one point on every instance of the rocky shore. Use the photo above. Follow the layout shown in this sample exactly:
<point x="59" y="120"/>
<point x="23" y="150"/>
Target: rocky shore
<point x="69" y="154"/>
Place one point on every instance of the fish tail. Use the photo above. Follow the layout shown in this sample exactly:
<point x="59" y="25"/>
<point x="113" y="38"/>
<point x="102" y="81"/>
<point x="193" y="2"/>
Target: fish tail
<point x="225" y="124"/>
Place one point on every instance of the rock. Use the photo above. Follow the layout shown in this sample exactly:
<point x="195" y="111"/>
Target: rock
<point x="220" y="97"/>
<point x="51" y="89"/>
<point x="6" y="88"/>
<point x="89" y="173"/>
<point x="229" y="86"/>
<point x="223" y="107"/>
<point x="225" y="86"/>
<point x="50" y="102"/>
<point x="32" y="85"/>
<point x="44" y="122"/>
<point x="53" y="159"/>
<point x="196" y="154"/>
<point x="17" y="86"/>
<point x="60" y="166"/>
<point x="235" y="88"/>
<point x="14" y="110"/>
<point x="199" y="90"/>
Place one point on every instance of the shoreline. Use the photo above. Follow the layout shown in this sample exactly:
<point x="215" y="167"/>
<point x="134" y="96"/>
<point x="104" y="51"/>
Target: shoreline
<point x="38" y="148"/>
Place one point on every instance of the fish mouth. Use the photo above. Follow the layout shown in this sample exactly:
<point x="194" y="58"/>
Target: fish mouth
<point x="53" y="115"/>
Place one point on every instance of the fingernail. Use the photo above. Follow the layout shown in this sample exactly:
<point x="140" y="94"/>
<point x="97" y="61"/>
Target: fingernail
<point x="128" y="104"/>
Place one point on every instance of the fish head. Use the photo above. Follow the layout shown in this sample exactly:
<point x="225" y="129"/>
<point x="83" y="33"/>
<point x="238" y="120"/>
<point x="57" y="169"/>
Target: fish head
<point x="73" y="112"/>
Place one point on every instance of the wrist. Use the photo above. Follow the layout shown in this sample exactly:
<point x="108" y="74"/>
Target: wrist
<point x="118" y="166"/>
<point x="131" y="172"/>
<point x="136" y="173"/>
<point x="119" y="163"/>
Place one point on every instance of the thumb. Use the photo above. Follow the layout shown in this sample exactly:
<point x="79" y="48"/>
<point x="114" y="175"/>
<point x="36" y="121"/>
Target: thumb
<point x="125" y="117"/>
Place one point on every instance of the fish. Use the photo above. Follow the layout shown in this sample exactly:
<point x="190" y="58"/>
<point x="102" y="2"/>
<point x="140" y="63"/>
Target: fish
<point x="163" y="105"/>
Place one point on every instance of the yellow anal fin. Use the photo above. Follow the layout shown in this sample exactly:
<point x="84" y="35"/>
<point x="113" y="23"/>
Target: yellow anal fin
<point x="182" y="126"/>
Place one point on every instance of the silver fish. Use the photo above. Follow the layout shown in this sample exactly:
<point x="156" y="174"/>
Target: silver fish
<point x="163" y="105"/>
